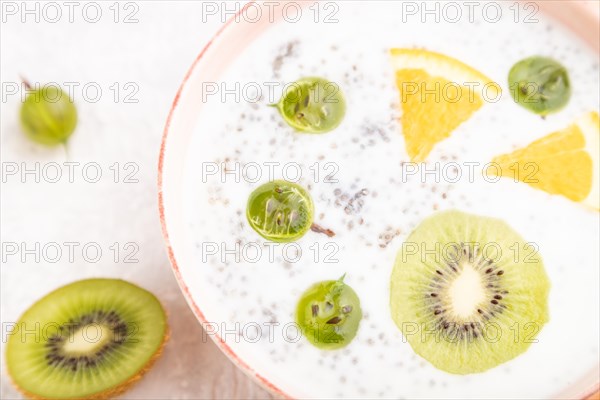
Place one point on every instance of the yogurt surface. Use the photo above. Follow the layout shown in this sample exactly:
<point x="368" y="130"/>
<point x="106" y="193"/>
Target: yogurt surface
<point x="365" y="190"/>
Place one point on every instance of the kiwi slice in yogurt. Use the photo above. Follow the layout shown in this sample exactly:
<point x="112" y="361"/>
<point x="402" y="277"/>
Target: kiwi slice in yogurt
<point x="468" y="292"/>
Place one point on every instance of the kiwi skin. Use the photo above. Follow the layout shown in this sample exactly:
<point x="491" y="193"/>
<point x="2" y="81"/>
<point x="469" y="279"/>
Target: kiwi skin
<point x="121" y="387"/>
<point x="418" y="277"/>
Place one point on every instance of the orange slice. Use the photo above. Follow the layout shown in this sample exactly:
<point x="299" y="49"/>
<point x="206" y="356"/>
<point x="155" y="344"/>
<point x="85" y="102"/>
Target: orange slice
<point x="566" y="162"/>
<point x="437" y="94"/>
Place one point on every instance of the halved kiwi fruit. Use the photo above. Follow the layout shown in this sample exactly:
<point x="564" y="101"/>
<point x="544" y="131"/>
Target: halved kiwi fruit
<point x="89" y="339"/>
<point x="468" y="292"/>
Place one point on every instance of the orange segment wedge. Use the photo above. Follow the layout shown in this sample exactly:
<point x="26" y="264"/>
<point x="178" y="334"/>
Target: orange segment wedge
<point x="437" y="94"/>
<point x="566" y="162"/>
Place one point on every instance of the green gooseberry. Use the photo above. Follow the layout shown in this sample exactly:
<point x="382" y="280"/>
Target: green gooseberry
<point x="48" y="115"/>
<point x="329" y="314"/>
<point x="312" y="105"/>
<point x="280" y="211"/>
<point x="540" y="84"/>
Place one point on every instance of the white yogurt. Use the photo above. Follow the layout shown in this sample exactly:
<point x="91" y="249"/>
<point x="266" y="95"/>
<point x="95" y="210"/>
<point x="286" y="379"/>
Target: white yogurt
<point x="367" y="152"/>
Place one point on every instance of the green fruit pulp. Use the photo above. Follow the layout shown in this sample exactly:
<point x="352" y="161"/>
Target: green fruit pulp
<point x="540" y="84"/>
<point x="313" y="105"/>
<point x="329" y="314"/>
<point x="280" y="211"/>
<point x="465" y="300"/>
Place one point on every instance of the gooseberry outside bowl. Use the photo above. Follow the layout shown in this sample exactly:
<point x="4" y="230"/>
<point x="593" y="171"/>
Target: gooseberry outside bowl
<point x="581" y="17"/>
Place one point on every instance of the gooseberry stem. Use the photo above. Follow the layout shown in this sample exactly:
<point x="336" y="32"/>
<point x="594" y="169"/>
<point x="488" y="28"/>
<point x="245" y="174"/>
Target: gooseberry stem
<point x="319" y="229"/>
<point x="25" y="82"/>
